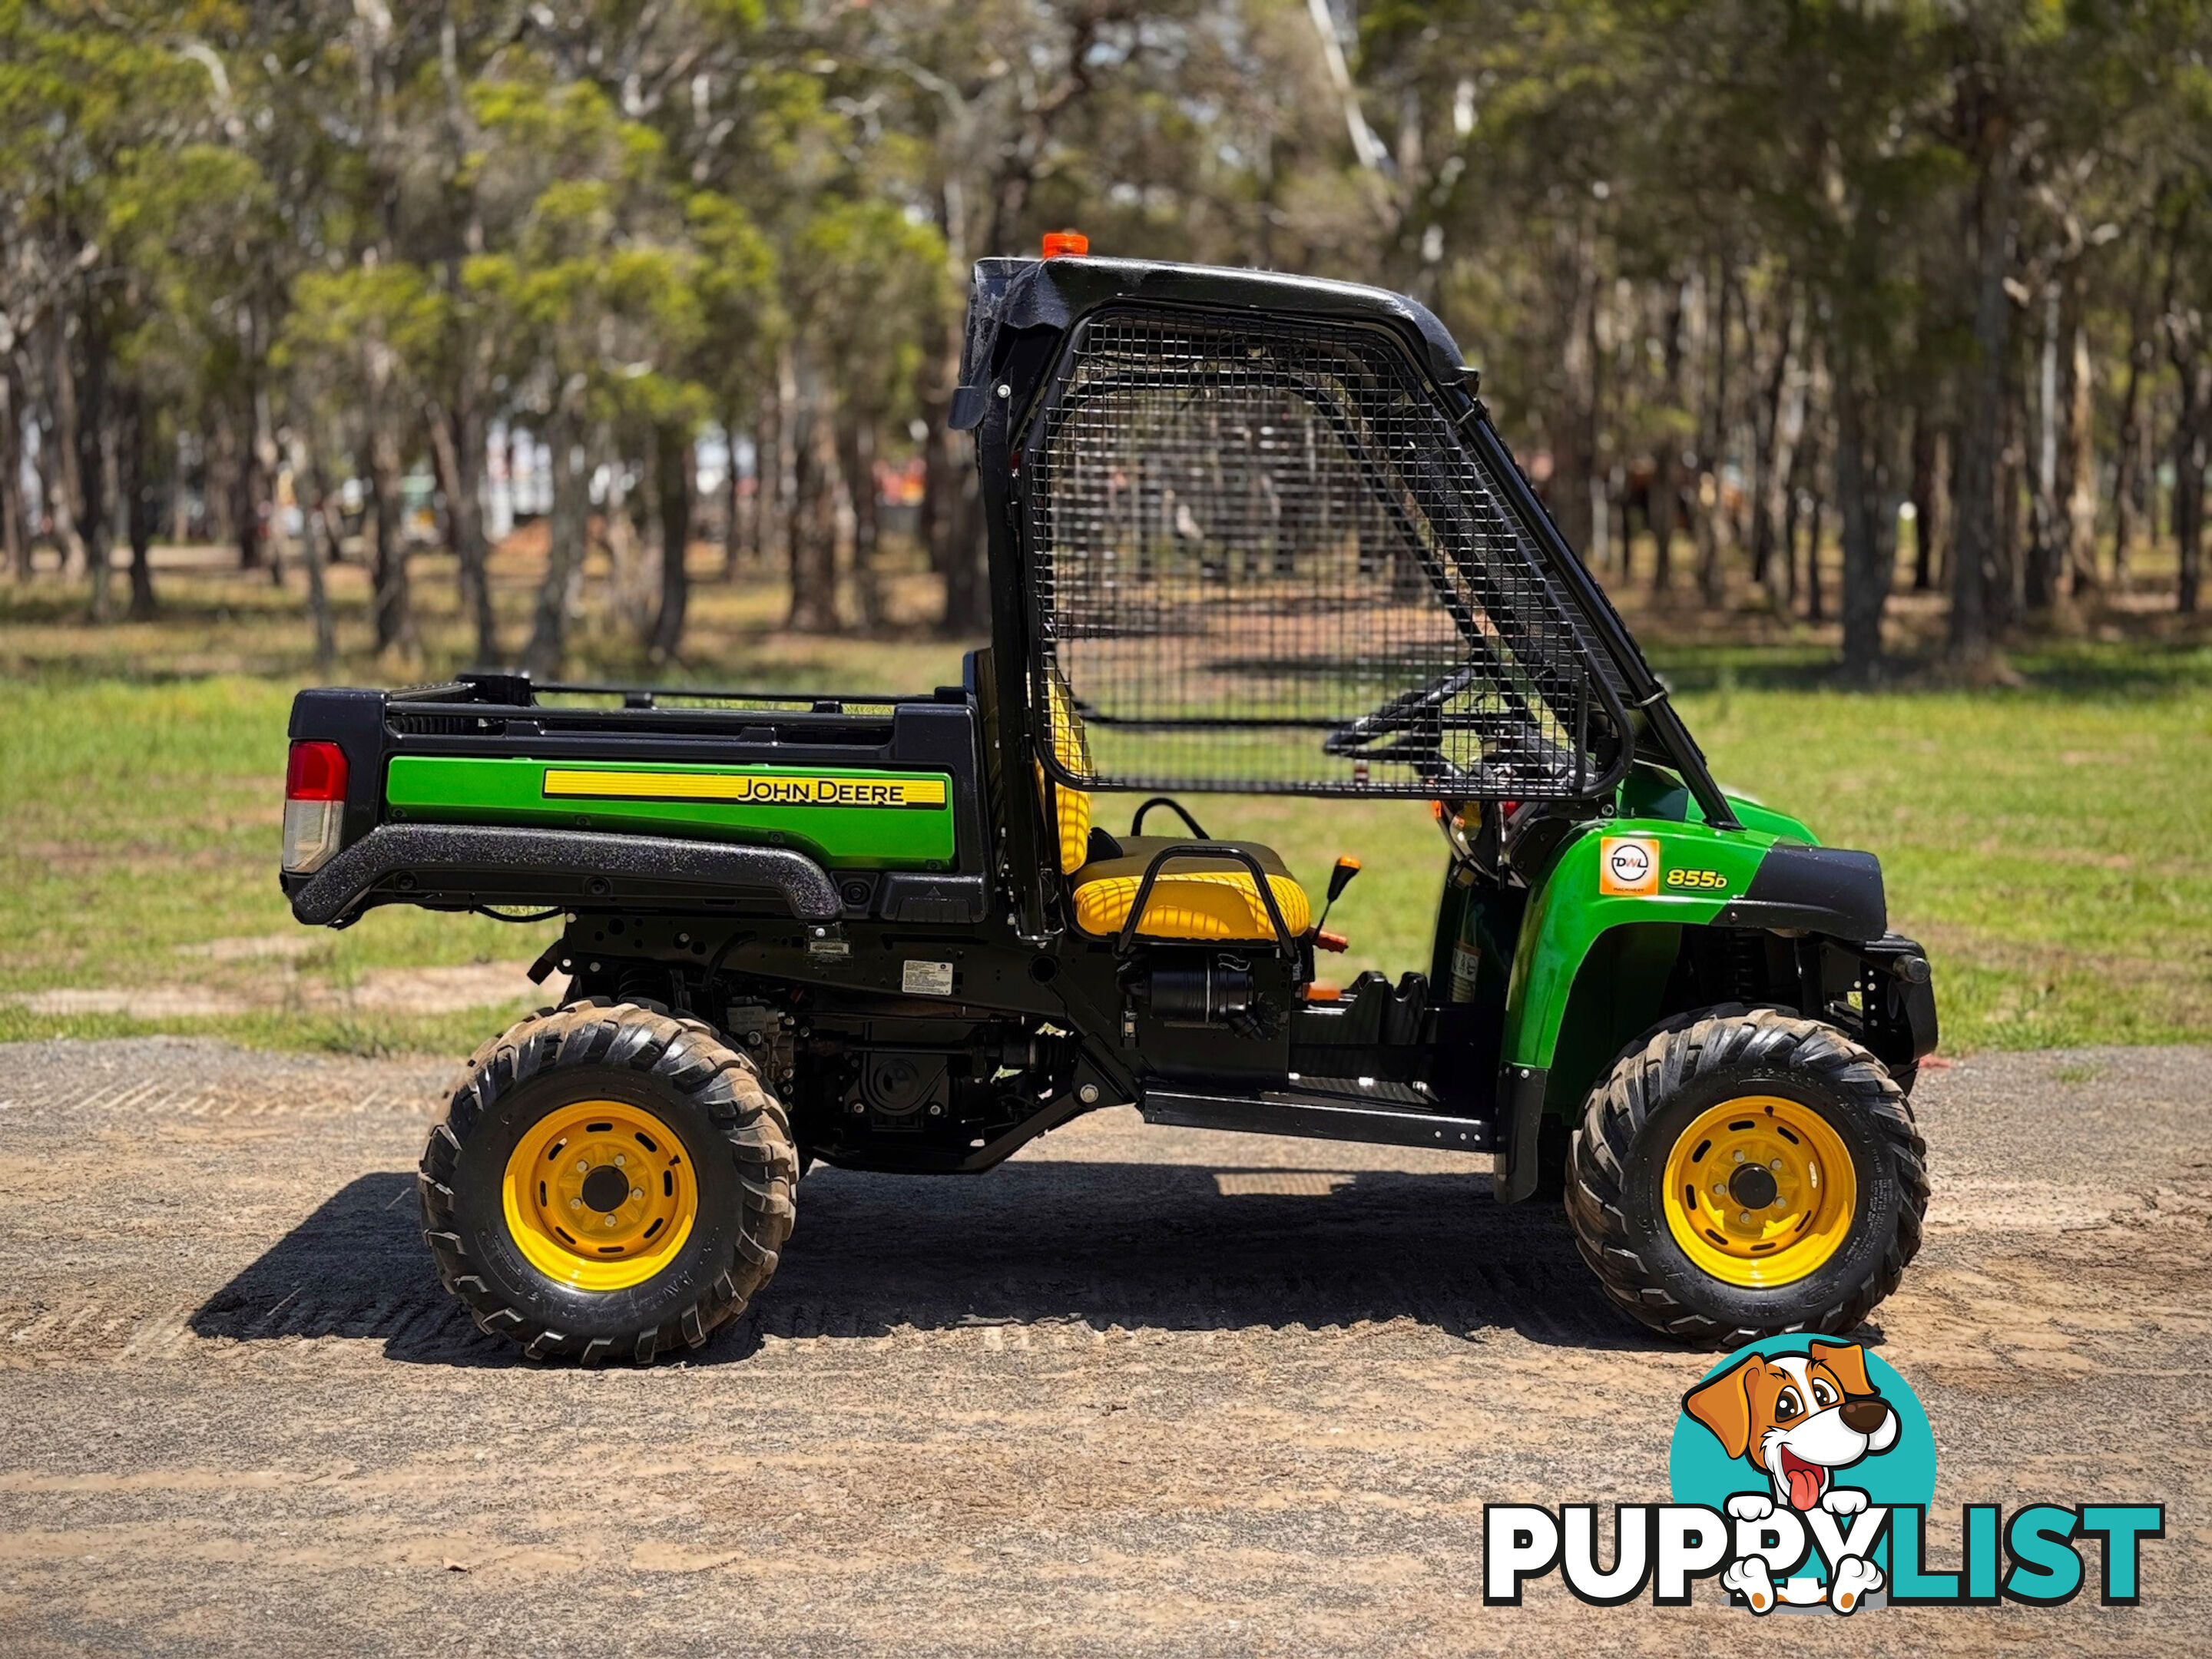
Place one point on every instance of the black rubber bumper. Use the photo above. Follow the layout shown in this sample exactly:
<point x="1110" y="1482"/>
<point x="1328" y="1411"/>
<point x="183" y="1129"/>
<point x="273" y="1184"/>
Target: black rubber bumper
<point x="420" y="863"/>
<point x="1818" y="890"/>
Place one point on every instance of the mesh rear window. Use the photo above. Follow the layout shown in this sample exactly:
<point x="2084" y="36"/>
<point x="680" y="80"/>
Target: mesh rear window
<point x="1265" y="559"/>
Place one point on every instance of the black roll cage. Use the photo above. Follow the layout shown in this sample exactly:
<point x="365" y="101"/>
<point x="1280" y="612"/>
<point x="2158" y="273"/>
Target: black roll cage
<point x="1024" y="328"/>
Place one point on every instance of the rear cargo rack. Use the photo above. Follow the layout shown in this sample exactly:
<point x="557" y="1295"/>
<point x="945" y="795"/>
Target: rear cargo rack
<point x="472" y="692"/>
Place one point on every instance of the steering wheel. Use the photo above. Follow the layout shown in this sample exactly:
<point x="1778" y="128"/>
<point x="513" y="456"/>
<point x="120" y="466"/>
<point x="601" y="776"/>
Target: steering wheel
<point x="1414" y="718"/>
<point x="1409" y="730"/>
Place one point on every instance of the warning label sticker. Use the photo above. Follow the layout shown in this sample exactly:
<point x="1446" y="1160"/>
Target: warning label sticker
<point x="1628" y="867"/>
<point x="928" y="979"/>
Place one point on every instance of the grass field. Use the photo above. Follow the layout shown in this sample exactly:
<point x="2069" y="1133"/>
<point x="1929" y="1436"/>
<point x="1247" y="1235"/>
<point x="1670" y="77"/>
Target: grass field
<point x="2049" y="841"/>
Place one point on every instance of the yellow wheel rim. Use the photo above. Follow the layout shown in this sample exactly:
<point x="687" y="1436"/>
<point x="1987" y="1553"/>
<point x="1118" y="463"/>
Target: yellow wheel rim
<point x="1761" y="1191"/>
<point x="600" y="1194"/>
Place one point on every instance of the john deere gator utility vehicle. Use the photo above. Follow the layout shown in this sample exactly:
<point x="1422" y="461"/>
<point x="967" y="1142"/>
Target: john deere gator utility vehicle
<point x="1250" y="534"/>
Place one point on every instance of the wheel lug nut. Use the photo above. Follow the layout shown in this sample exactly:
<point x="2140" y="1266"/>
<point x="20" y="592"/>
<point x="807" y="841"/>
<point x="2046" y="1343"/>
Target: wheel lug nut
<point x="1776" y="1164"/>
<point x="620" y="1160"/>
<point x="637" y="1194"/>
<point x="575" y="1203"/>
<point x="1743" y="1215"/>
<point x="1738" y="1157"/>
<point x="609" y="1221"/>
<point x="582" y="1165"/>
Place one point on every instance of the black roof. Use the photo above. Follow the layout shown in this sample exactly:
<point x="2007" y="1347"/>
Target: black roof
<point x="1025" y="293"/>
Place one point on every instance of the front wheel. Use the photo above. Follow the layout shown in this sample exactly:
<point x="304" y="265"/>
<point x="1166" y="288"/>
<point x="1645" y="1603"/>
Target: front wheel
<point x="609" y="1180"/>
<point x="1745" y="1173"/>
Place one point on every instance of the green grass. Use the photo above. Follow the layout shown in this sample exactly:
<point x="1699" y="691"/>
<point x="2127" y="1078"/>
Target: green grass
<point x="2049" y="842"/>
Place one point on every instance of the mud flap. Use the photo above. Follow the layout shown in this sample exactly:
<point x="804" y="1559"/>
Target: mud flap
<point x="1521" y="1109"/>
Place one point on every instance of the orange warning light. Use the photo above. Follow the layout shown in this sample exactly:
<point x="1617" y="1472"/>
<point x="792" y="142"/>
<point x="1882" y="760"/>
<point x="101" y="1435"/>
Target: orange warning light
<point x="1057" y="242"/>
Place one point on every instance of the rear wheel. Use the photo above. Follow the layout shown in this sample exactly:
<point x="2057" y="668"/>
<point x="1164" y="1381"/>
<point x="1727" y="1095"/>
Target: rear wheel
<point x="1746" y="1172"/>
<point x="609" y="1180"/>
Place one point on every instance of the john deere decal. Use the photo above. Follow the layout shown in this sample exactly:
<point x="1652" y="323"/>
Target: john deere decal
<point x="1802" y="1472"/>
<point x="756" y="788"/>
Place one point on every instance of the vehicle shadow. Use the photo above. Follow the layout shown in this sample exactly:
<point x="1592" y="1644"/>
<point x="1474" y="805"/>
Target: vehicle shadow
<point x="1138" y="1246"/>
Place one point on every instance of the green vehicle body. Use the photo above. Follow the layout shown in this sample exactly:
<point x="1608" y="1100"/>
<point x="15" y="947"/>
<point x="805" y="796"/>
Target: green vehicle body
<point x="862" y="832"/>
<point x="879" y="899"/>
<point x="1570" y="914"/>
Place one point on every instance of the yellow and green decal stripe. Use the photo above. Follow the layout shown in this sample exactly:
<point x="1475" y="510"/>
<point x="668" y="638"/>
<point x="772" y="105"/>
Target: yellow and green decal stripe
<point x="761" y="788"/>
<point x="844" y="816"/>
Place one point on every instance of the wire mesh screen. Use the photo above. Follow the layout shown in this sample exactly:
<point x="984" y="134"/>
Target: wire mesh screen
<point x="1265" y="559"/>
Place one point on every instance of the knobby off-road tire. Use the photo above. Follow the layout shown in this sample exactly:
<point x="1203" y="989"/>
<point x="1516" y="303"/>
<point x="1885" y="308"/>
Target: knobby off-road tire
<point x="1828" y="1091"/>
<point x="648" y="1068"/>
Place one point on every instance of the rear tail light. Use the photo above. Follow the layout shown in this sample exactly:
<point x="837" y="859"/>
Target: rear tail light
<point x="314" y="805"/>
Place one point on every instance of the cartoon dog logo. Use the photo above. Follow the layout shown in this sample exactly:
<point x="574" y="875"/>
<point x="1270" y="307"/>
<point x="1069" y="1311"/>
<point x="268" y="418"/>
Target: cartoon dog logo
<point x="1798" y="1419"/>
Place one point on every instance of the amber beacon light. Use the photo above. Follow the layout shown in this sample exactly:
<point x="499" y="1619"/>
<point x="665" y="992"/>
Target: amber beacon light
<point x="1057" y="242"/>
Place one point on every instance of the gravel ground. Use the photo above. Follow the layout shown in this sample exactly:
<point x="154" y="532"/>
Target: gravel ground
<point x="1145" y="1390"/>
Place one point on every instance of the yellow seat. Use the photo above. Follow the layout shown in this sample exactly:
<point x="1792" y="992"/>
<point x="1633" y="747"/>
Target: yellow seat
<point x="1196" y="897"/>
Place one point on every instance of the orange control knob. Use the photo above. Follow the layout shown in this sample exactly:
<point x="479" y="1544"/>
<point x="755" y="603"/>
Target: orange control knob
<point x="1324" y="940"/>
<point x="1058" y="242"/>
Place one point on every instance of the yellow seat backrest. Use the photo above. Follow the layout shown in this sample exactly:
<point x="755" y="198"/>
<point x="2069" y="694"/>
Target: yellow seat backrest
<point x="1070" y="808"/>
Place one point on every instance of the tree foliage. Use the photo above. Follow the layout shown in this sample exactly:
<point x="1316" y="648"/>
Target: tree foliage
<point x="1748" y="277"/>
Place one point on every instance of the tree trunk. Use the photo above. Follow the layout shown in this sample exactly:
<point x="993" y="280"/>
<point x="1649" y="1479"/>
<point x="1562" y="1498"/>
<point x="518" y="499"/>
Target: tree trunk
<point x="771" y="474"/>
<point x="812" y="532"/>
<point x="245" y="507"/>
<point x="1776" y="430"/>
<point x="390" y="601"/>
<point x="2046" y="539"/>
<point x="950" y="520"/>
<point x="1924" y="448"/>
<point x="65" y="498"/>
<point x="2077" y="454"/>
<point x="1707" y="496"/>
<point x="2132" y="471"/>
<point x="15" y="541"/>
<point x="1662" y="504"/>
<point x="97" y="473"/>
<point x="318" y="529"/>
<point x="733" y="533"/>
<point x="564" y="558"/>
<point x="100" y="538"/>
<point x="1816" y="431"/>
<point x="218" y="478"/>
<point x="672" y="470"/>
<point x="1976" y="559"/>
<point x="457" y="452"/>
<point x="856" y="460"/>
<point x="1787" y="586"/>
<point x="2193" y="371"/>
<point x="1864" y="493"/>
<point x="138" y="505"/>
<point x="2009" y="581"/>
<point x="1574" y="433"/>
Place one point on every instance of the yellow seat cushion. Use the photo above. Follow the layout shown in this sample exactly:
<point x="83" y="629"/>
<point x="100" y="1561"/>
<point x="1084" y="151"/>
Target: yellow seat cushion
<point x="1070" y="809"/>
<point x="1196" y="897"/>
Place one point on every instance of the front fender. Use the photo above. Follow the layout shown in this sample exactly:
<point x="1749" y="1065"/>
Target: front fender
<point x="1666" y="872"/>
<point x="1693" y="874"/>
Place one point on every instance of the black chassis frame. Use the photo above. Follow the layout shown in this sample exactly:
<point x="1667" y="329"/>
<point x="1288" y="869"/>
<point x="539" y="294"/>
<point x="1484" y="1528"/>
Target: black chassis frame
<point x="809" y="970"/>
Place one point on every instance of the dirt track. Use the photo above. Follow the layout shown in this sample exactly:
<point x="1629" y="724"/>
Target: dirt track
<point x="1141" y="1390"/>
